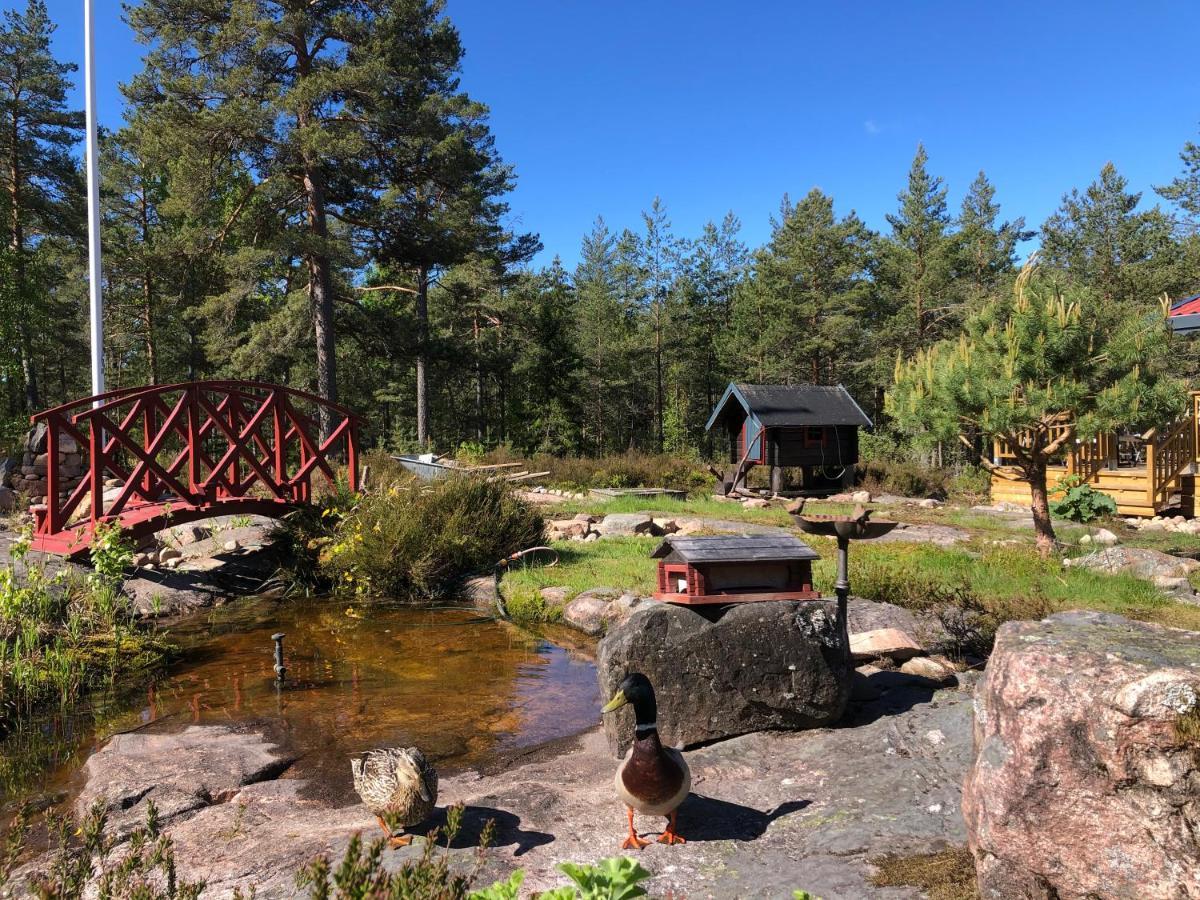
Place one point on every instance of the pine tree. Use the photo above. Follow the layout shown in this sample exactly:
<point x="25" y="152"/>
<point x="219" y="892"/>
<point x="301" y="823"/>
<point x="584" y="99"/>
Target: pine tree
<point x="267" y="85"/>
<point x="799" y="312"/>
<point x="434" y="183"/>
<point x="39" y="175"/>
<point x="710" y="276"/>
<point x="605" y="338"/>
<point x="1184" y="190"/>
<point x="989" y="247"/>
<point x="1023" y="368"/>
<point x="1101" y="240"/>
<point x="918" y="260"/>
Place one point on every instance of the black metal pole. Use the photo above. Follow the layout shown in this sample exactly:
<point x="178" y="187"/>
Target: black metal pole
<point x="280" y="668"/>
<point x="842" y="588"/>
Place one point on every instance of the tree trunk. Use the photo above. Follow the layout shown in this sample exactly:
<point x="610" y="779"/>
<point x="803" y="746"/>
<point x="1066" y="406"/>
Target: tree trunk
<point x="479" y="423"/>
<point x="1035" y="474"/>
<point x="320" y="281"/>
<point x="148" y="290"/>
<point x="320" y="295"/>
<point x="658" y="379"/>
<point x="422" y="351"/>
<point x="17" y="243"/>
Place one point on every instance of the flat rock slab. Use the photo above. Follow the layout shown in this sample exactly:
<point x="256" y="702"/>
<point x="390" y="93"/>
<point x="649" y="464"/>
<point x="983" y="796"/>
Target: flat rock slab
<point x="770" y="812"/>
<point x="181" y="772"/>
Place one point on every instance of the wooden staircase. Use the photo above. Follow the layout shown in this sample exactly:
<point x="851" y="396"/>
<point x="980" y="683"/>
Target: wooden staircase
<point x="1144" y="475"/>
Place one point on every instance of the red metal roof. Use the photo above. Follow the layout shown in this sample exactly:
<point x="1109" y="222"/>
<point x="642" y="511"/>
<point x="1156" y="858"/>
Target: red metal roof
<point x="1188" y="306"/>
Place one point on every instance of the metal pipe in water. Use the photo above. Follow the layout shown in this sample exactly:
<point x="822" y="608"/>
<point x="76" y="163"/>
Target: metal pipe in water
<point x="280" y="668"/>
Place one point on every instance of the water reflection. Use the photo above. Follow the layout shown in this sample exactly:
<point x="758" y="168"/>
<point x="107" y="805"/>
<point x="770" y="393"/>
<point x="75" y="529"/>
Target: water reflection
<point x="463" y="688"/>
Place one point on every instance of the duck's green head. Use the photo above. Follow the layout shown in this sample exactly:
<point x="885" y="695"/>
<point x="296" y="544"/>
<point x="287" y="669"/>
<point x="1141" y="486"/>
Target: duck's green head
<point x="637" y="691"/>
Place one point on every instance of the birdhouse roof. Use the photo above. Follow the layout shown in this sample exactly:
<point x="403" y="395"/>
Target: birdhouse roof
<point x="734" y="548"/>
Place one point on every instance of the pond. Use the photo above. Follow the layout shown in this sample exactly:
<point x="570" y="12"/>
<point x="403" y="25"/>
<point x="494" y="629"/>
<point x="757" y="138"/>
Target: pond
<point x="466" y="689"/>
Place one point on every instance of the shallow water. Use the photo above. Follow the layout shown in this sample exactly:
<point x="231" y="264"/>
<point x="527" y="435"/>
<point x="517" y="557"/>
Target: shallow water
<point x="465" y="689"/>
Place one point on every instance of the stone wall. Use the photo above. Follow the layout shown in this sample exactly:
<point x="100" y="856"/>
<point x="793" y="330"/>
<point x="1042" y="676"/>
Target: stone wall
<point x="27" y="474"/>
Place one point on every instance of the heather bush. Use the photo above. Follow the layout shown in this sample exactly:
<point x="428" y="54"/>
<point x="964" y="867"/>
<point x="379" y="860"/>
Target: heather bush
<point x="420" y="540"/>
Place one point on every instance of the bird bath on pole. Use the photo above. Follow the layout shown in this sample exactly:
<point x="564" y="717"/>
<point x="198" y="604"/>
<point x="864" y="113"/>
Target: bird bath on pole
<point x="856" y="526"/>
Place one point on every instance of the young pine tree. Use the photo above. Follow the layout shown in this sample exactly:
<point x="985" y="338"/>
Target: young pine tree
<point x="1023" y="368"/>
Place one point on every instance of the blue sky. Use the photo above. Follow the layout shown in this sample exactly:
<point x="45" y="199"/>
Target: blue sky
<point x="720" y="106"/>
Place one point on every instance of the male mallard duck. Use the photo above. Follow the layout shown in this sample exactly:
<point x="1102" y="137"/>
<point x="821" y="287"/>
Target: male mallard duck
<point x="652" y="779"/>
<point x="398" y="785"/>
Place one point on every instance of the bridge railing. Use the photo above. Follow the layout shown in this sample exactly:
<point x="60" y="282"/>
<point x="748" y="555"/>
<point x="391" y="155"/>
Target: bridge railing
<point x="194" y="445"/>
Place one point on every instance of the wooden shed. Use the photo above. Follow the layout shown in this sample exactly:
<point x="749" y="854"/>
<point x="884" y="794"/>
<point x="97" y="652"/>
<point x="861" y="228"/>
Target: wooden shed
<point x="807" y="426"/>
<point x="734" y="569"/>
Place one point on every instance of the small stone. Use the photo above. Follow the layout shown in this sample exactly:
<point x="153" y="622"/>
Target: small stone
<point x="1085" y="539"/>
<point x="1105" y="538"/>
<point x="928" y="503"/>
<point x="756" y="503"/>
<point x="230" y="546"/>
<point x="166" y="554"/>
<point x="930" y="669"/>
<point x="860" y="497"/>
<point x="567" y="528"/>
<point x="556" y="596"/>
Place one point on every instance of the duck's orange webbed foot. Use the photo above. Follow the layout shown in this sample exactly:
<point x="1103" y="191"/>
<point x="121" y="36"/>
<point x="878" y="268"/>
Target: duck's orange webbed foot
<point x="400" y="840"/>
<point x="669" y="836"/>
<point x="633" y="842"/>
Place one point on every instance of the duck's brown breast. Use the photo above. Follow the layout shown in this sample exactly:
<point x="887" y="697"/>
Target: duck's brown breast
<point x="651" y="775"/>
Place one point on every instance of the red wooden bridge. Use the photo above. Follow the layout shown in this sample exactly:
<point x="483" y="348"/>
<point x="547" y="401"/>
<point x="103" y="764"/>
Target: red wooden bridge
<point x="152" y="457"/>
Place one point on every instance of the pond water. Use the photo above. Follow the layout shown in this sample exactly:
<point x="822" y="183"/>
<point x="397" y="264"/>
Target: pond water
<point x="466" y="689"/>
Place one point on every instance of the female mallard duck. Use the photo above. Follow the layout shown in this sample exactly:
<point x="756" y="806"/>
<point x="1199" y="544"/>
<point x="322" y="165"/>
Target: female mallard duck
<point x="398" y="785"/>
<point x="652" y="779"/>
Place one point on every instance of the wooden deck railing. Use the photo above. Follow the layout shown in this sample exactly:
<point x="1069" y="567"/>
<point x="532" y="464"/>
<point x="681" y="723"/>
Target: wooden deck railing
<point x="1161" y="456"/>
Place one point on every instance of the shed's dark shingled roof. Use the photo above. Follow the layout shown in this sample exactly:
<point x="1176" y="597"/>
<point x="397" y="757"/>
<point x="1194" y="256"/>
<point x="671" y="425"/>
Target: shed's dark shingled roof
<point x="781" y="406"/>
<point x="735" y="548"/>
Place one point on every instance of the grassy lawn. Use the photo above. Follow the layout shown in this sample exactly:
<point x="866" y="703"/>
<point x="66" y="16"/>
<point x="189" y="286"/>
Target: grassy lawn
<point x="668" y="507"/>
<point x="1010" y="580"/>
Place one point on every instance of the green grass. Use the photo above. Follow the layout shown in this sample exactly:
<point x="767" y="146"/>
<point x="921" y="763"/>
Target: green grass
<point x="62" y="635"/>
<point x="667" y="507"/>
<point x="618" y="562"/>
<point x="1012" y="581"/>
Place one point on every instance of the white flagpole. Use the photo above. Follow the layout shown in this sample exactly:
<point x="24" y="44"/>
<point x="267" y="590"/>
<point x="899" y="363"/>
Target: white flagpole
<point x="93" y="189"/>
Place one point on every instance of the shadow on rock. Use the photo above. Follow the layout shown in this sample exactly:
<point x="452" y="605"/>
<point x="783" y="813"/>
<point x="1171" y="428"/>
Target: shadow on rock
<point x="887" y="693"/>
<point x="709" y="819"/>
<point x="508" y="829"/>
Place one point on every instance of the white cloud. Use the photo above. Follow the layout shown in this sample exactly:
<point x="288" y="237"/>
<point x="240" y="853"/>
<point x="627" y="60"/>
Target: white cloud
<point x="872" y="127"/>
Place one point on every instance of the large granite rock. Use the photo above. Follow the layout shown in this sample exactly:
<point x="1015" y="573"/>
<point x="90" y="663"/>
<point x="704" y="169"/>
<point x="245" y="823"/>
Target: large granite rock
<point x="761" y="666"/>
<point x="1081" y="785"/>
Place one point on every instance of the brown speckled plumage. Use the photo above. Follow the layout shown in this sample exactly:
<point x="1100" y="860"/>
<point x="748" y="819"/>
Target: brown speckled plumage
<point x="398" y="785"/>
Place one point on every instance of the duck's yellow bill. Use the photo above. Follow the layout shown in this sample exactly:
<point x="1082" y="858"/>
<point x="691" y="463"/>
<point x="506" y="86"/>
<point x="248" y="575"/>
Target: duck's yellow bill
<point x="616" y="702"/>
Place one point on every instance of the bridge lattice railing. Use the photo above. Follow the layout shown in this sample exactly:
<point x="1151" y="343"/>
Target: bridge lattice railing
<point x="196" y="445"/>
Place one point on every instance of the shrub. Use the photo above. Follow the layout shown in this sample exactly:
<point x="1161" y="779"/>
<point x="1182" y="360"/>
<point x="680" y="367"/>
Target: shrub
<point x="905" y="478"/>
<point x="971" y="485"/>
<point x="1075" y="500"/>
<point x="627" y="470"/>
<point x="83" y="862"/>
<point x="417" y="540"/>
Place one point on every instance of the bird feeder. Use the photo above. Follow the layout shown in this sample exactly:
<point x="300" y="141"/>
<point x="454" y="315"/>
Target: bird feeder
<point x="696" y="571"/>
